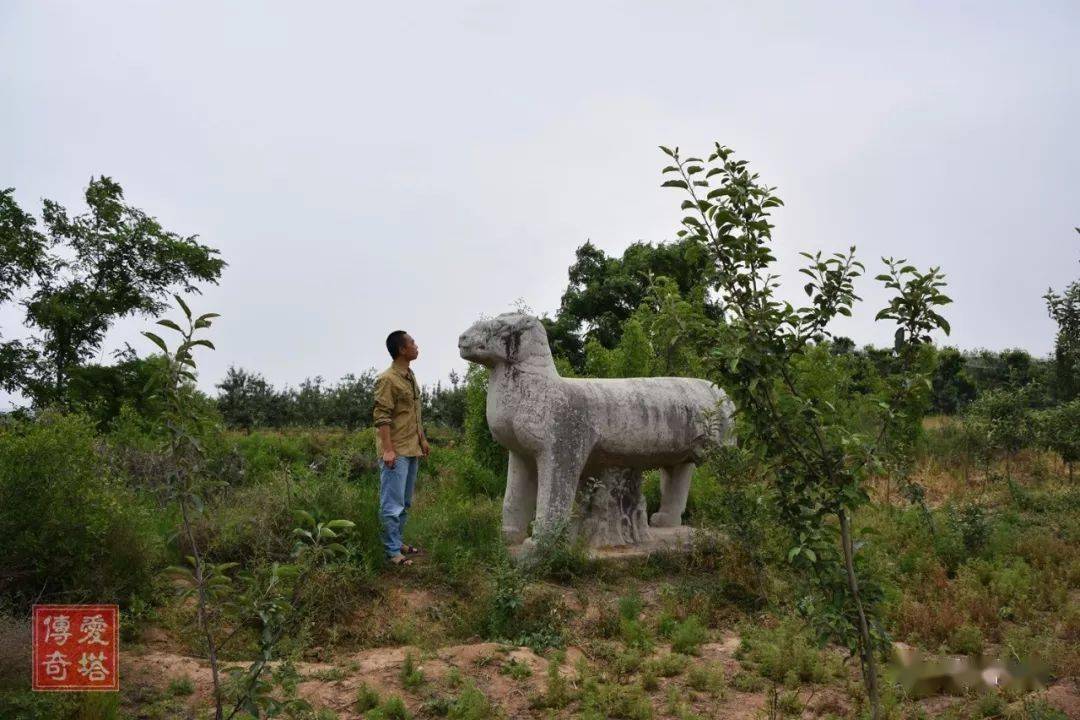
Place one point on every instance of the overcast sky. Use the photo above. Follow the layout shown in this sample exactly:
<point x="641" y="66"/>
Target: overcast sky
<point x="369" y="166"/>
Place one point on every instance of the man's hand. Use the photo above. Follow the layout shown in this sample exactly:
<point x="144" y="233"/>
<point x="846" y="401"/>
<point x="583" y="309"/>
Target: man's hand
<point x="388" y="458"/>
<point x="424" y="447"/>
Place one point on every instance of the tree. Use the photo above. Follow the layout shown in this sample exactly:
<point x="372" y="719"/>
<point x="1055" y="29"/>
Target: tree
<point x="1059" y="430"/>
<point x="246" y="399"/>
<point x="23" y="257"/>
<point x="86" y="272"/>
<point x="1004" y="421"/>
<point x="605" y="291"/>
<point x="819" y="438"/>
<point x="1065" y="311"/>
<point x="953" y="389"/>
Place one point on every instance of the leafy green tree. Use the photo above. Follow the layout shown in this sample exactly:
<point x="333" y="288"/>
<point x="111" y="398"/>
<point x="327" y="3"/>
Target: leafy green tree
<point x="678" y="328"/>
<point x="604" y="291"/>
<point x="478" y="438"/>
<point x="953" y="388"/>
<point x="820" y="439"/>
<point x="1003" y="419"/>
<point x="1059" y="430"/>
<point x="634" y="353"/>
<point x="445" y="406"/>
<point x="101" y="391"/>
<point x="85" y="272"/>
<point x="246" y="399"/>
<point x="23" y="257"/>
<point x="1065" y="310"/>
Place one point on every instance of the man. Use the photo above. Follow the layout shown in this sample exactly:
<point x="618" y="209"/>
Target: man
<point x="401" y="443"/>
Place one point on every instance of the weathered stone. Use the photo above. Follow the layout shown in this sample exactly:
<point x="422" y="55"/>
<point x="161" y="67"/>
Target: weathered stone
<point x="560" y="431"/>
<point x="611" y="509"/>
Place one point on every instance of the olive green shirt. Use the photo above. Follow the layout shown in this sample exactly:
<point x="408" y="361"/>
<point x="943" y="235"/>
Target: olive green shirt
<point x="397" y="404"/>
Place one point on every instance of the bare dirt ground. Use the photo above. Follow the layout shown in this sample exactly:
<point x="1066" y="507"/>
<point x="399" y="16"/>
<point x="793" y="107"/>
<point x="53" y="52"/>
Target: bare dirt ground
<point x="334" y="685"/>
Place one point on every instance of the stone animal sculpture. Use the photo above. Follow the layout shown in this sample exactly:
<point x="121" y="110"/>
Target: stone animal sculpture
<point x="562" y="430"/>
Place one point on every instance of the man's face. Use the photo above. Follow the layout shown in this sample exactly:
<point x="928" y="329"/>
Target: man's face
<point x="411" y="351"/>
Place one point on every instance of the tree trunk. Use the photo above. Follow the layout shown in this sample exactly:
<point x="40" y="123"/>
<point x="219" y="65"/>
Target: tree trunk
<point x="866" y="648"/>
<point x="204" y="624"/>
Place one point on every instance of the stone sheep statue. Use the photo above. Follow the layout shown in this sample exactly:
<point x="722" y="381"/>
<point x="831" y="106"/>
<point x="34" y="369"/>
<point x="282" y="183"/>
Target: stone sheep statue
<point x="560" y="431"/>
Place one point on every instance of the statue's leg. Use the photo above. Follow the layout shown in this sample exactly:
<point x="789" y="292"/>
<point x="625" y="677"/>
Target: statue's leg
<point x="519" y="501"/>
<point x="674" y="489"/>
<point x="558" y="472"/>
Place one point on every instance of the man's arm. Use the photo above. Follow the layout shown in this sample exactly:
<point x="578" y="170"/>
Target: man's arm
<point x="383" y="414"/>
<point x="424" y="447"/>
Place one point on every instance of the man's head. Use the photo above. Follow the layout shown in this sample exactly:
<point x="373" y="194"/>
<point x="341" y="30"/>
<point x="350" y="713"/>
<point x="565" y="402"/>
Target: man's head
<point x="400" y="344"/>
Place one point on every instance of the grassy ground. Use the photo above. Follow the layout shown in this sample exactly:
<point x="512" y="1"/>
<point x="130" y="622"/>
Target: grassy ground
<point x="988" y="568"/>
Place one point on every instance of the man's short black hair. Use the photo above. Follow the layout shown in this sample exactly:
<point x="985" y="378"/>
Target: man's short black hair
<point x="395" y="343"/>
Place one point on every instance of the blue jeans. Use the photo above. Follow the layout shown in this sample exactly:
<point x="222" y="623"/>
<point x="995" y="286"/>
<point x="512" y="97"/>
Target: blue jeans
<point x="395" y="497"/>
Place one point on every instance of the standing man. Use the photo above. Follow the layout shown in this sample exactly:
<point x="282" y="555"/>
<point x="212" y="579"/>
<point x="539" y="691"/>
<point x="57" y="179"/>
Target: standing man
<point x="401" y="443"/>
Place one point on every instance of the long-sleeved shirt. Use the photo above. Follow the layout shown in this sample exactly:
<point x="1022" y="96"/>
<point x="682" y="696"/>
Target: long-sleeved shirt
<point x="397" y="404"/>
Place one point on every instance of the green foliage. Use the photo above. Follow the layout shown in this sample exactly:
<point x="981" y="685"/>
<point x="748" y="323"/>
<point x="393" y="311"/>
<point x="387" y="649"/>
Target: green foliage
<point x="819" y="434"/>
<point x="478" y="439"/>
<point x="999" y="423"/>
<point x="788" y="648"/>
<point x="1059" y="431"/>
<point x="604" y="700"/>
<point x="688" y="635"/>
<point x="604" y="292"/>
<point x="88" y="271"/>
<point x="70" y="530"/>
<point x="1064" y="309"/>
<point x="556" y="694"/>
<point x="707" y="677"/>
<point x="393" y="709"/>
<point x="668" y="665"/>
<point x="367" y="698"/>
<point x="412" y="676"/>
<point x="472" y="704"/>
<point x="182" y="686"/>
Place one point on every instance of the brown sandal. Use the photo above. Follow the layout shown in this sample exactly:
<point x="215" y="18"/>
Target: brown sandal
<point x="401" y="560"/>
<point x="410" y="550"/>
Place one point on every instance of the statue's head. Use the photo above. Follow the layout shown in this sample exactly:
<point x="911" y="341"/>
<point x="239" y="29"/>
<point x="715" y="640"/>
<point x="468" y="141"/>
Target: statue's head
<point x="508" y="338"/>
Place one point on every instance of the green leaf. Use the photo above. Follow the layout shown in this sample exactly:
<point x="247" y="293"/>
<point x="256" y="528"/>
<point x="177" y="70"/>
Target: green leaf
<point x="157" y="341"/>
<point x="676" y="184"/>
<point x="183" y="306"/>
<point x="341" y="524"/>
<point x="170" y="324"/>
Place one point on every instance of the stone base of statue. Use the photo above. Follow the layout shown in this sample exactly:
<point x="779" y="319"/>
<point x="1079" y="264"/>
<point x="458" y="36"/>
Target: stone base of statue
<point x="611" y="521"/>
<point x="611" y="510"/>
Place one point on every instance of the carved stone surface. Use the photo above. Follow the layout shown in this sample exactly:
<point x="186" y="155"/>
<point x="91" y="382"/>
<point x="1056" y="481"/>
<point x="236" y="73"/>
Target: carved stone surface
<point x="611" y="509"/>
<point x="560" y="431"/>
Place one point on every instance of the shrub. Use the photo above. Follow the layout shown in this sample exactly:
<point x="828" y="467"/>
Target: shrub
<point x="966" y="640"/>
<point x="774" y="652"/>
<point x="412" y="676"/>
<point x="1059" y="430"/>
<point x="688" y="635"/>
<point x="706" y="677"/>
<point x="67" y="527"/>
<point x="668" y="665"/>
<point x="472" y="705"/>
<point x="616" y="701"/>
<point x="393" y="709"/>
<point x="181" y="686"/>
<point x="478" y="439"/>
<point x="367" y="698"/>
